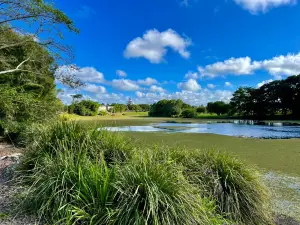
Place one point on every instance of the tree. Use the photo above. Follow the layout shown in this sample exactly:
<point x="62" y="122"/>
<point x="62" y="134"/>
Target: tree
<point x="136" y="108"/>
<point x="48" y="23"/>
<point x="77" y="97"/>
<point x="129" y="104"/>
<point x="243" y="101"/>
<point x="28" y="63"/>
<point x="84" y="108"/>
<point x="280" y="97"/>
<point x="218" y="107"/>
<point x="167" y="108"/>
<point x="201" y="109"/>
<point x="189" y="113"/>
<point x="145" y="107"/>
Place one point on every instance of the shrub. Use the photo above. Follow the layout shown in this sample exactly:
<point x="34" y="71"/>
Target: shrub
<point x="103" y="113"/>
<point x="235" y="187"/>
<point x="69" y="188"/>
<point x="48" y="138"/>
<point x="201" y="109"/>
<point x="189" y="113"/>
<point x="151" y="190"/>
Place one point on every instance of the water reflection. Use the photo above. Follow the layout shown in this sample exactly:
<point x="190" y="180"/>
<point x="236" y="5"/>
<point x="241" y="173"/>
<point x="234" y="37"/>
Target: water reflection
<point x="237" y="128"/>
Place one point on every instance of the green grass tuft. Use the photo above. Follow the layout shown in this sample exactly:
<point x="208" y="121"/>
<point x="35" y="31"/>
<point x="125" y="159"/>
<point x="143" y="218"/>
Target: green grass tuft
<point x="80" y="176"/>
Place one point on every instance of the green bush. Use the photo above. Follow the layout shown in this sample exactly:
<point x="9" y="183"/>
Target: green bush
<point x="152" y="190"/>
<point x="103" y="113"/>
<point x="236" y="188"/>
<point x="189" y="113"/>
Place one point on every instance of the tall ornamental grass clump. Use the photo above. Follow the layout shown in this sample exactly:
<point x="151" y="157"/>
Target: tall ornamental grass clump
<point x="236" y="187"/>
<point x="151" y="189"/>
<point x="80" y="176"/>
<point x="49" y="139"/>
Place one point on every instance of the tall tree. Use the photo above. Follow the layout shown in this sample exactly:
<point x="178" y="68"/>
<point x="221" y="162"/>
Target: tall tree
<point x="46" y="21"/>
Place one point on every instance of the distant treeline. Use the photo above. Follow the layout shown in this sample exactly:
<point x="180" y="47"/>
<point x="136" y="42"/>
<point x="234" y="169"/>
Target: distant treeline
<point x="279" y="98"/>
<point x="91" y="108"/>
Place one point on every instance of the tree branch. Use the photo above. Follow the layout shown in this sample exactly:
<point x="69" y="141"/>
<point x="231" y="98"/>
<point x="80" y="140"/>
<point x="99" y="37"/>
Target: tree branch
<point x="16" y="69"/>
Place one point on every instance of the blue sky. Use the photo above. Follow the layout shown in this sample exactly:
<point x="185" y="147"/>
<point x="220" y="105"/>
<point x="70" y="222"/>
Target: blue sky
<point x="196" y="50"/>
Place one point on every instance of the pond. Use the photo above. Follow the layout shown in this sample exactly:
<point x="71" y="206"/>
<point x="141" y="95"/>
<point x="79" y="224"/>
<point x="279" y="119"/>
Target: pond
<point x="249" y="129"/>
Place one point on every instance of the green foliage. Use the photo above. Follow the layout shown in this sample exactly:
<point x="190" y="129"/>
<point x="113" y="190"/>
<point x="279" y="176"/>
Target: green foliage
<point x="151" y="190"/>
<point x="167" y="108"/>
<point x="28" y="95"/>
<point x="84" y="108"/>
<point x="277" y="97"/>
<point x="189" y="113"/>
<point x="218" y="107"/>
<point x="103" y="113"/>
<point x="201" y="109"/>
<point x="118" y="108"/>
<point x="136" y="108"/>
<point x="145" y="107"/>
<point x="235" y="187"/>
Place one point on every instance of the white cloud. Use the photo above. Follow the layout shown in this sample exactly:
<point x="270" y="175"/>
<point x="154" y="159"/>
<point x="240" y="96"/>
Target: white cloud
<point x="234" y="66"/>
<point x="155" y="88"/>
<point x="190" y="85"/>
<point x="154" y="45"/>
<point x="121" y="73"/>
<point x="227" y="84"/>
<point x="264" y="82"/>
<point x="282" y="65"/>
<point x="124" y="85"/>
<point x="256" y="6"/>
<point x="139" y="94"/>
<point x="191" y="75"/>
<point x="85" y="74"/>
<point x="111" y="98"/>
<point x="194" y="98"/>
<point x="147" y="82"/>
<point x="211" y="86"/>
<point x="92" y="88"/>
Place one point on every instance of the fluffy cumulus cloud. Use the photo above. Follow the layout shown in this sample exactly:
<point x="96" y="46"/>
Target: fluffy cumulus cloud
<point x="211" y="86"/>
<point x="154" y="45"/>
<point x="256" y="6"/>
<point x="85" y="74"/>
<point x="283" y="65"/>
<point x="194" y="98"/>
<point x="121" y="73"/>
<point x="125" y="85"/>
<point x="147" y="82"/>
<point x="263" y="83"/>
<point x="227" y="84"/>
<point x="233" y="66"/>
<point x="92" y="88"/>
<point x="191" y="75"/>
<point x="190" y="85"/>
<point x="155" y="88"/>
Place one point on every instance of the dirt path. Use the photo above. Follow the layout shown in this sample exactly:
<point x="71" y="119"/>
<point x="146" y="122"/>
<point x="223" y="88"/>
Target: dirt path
<point x="9" y="155"/>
